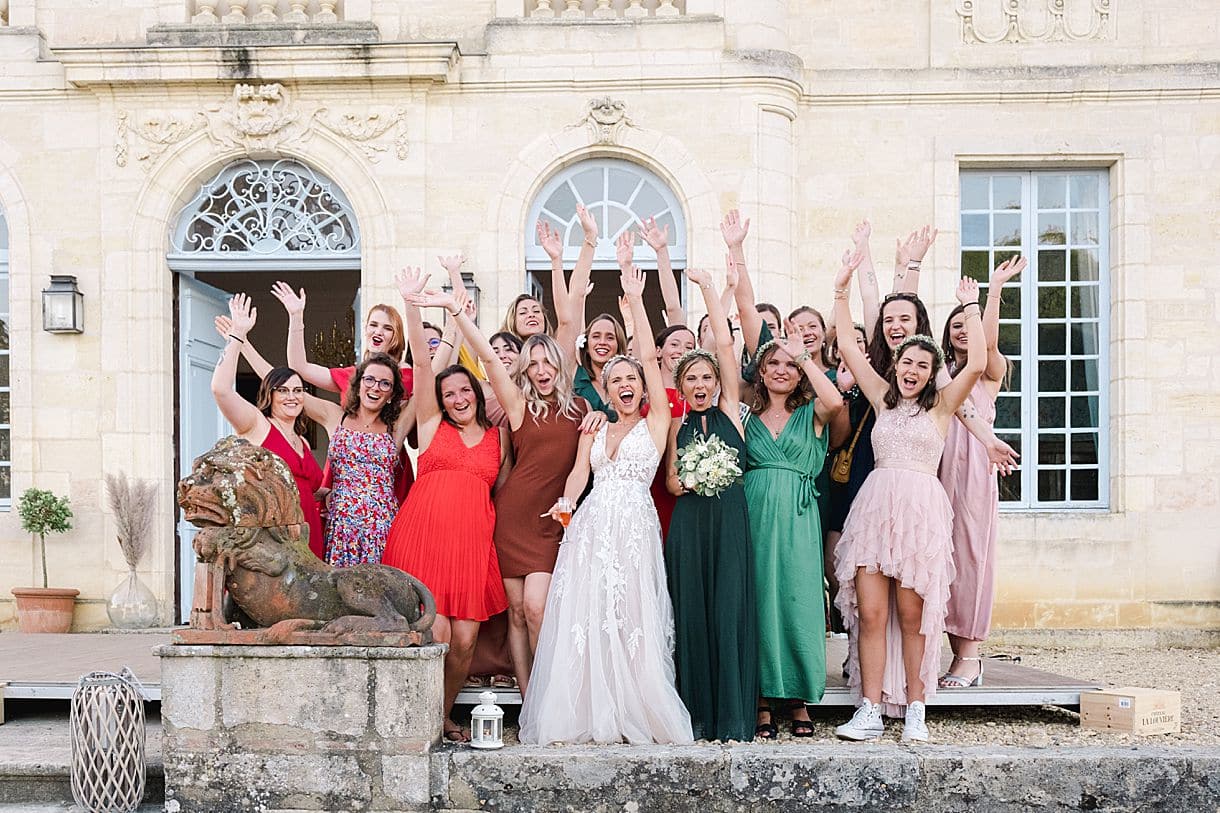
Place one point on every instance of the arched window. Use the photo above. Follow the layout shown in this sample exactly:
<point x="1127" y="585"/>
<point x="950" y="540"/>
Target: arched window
<point x="620" y="195"/>
<point x="281" y="214"/>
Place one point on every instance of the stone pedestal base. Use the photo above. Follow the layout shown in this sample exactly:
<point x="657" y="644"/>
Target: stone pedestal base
<point x="274" y="728"/>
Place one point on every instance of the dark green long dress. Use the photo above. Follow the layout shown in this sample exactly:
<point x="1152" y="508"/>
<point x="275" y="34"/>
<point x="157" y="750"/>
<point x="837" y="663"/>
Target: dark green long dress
<point x="711" y="583"/>
<point x="786" y="533"/>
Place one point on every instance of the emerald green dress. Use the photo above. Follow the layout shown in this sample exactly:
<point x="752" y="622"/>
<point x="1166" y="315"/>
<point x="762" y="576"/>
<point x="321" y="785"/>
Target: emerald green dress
<point x="787" y="536"/>
<point x="711" y="583"/>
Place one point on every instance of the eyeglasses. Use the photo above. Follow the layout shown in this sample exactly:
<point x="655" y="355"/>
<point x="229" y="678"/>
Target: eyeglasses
<point x="434" y="343"/>
<point x="289" y="390"/>
<point x="380" y="383"/>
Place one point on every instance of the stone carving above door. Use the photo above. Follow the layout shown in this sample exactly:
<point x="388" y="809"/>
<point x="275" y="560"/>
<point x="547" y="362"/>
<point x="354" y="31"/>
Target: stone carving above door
<point x="1017" y="21"/>
<point x="606" y="118"/>
<point x="260" y="119"/>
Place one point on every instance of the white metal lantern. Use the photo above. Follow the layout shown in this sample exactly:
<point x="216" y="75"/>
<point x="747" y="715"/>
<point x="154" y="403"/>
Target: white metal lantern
<point x="63" y="306"/>
<point x="487" y="723"/>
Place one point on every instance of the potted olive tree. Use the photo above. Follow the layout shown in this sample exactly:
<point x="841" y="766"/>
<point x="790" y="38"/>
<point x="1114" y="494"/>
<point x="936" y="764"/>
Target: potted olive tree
<point x="44" y="609"/>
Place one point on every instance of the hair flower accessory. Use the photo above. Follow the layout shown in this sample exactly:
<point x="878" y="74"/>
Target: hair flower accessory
<point x="925" y="342"/>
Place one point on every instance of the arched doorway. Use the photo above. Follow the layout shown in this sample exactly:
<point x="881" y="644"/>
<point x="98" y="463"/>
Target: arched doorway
<point x="252" y="224"/>
<point x="620" y="195"/>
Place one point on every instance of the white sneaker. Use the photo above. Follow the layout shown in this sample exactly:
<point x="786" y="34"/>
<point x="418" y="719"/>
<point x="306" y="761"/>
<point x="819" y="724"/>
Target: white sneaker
<point x="915" y="729"/>
<point x="865" y="724"/>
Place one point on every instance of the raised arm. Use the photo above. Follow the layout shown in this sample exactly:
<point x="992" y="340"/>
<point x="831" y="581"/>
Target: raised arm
<point x="734" y="230"/>
<point x="294" y="303"/>
<point x="955" y="393"/>
<point x="906" y="276"/>
<point x="254" y="358"/>
<point x="867" y="275"/>
<point x="571" y="320"/>
<point x="658" y="419"/>
<point x="827" y="401"/>
<point x="726" y="357"/>
<point x="410" y="282"/>
<point x="658" y="240"/>
<point x="502" y="385"/>
<point x="245" y="418"/>
<point x="997" y="364"/>
<point x="872" y="385"/>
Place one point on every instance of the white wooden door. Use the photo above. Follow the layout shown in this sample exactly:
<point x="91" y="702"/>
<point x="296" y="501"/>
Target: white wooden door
<point x="200" y="423"/>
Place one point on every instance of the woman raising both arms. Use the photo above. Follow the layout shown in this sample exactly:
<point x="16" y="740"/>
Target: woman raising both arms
<point x="277" y="423"/>
<point x="604" y="668"/>
<point x="894" y="561"/>
<point x="545" y="418"/>
<point x="443" y="534"/>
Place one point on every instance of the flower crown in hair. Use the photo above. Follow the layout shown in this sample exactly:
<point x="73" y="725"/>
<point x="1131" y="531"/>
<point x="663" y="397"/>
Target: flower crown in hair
<point x="926" y="342"/>
<point x="763" y="348"/>
<point x="639" y="368"/>
<point x="690" y="356"/>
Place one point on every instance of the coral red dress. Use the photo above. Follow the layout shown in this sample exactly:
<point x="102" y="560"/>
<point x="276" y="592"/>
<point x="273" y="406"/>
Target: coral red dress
<point x="661" y="498"/>
<point x="308" y="477"/>
<point x="443" y="533"/>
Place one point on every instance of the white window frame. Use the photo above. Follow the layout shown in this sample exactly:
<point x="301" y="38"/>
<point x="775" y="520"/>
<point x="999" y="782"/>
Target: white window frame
<point x="604" y="257"/>
<point x="6" y="503"/>
<point x="1027" y="386"/>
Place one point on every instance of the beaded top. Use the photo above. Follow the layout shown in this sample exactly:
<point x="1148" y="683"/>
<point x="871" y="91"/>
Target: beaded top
<point x="906" y="437"/>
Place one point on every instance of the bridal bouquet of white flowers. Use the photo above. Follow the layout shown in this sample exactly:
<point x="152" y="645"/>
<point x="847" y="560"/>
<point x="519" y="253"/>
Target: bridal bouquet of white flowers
<point x="707" y="466"/>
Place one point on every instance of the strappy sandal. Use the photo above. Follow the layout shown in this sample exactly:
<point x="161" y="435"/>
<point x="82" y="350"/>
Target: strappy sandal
<point x="801" y="728"/>
<point x="768" y="730"/>
<point x="455" y="734"/>
<point x="503" y="682"/>
<point x="952" y="681"/>
<point x="475" y="682"/>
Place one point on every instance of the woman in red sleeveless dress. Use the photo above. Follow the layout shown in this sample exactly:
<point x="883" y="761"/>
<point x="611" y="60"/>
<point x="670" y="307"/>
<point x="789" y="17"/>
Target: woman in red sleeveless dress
<point x="443" y="533"/>
<point x="277" y="423"/>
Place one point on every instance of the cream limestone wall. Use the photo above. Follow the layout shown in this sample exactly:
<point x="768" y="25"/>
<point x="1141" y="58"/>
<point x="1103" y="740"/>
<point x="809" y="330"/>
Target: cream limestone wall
<point x="807" y="116"/>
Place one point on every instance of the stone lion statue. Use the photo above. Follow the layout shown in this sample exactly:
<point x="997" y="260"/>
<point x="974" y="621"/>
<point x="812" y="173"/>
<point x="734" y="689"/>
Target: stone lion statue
<point x="254" y="539"/>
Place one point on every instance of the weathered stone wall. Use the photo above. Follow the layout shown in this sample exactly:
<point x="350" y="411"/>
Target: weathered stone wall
<point x="301" y="728"/>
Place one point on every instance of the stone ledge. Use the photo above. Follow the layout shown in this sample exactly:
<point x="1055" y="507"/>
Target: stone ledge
<point x="370" y="653"/>
<point x="928" y="779"/>
<point x="342" y="33"/>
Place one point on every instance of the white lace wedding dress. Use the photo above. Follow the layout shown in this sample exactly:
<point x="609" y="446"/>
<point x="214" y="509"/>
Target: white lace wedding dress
<point x="604" y="669"/>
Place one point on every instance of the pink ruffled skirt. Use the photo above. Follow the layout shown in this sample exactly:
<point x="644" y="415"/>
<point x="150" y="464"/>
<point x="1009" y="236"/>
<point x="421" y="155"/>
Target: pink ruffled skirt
<point x="900" y="525"/>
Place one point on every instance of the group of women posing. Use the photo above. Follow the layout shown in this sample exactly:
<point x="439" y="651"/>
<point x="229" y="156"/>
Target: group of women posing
<point x="667" y="613"/>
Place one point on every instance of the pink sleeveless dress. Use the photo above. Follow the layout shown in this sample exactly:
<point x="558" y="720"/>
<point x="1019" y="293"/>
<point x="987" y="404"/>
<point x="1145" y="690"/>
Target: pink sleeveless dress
<point x="901" y="525"/>
<point x="974" y="493"/>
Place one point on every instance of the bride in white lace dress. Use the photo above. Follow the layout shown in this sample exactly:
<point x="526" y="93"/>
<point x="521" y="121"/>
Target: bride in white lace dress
<point x="604" y="668"/>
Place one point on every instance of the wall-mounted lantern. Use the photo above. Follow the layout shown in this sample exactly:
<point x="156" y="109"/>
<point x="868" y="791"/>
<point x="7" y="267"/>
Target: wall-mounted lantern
<point x="63" y="306"/>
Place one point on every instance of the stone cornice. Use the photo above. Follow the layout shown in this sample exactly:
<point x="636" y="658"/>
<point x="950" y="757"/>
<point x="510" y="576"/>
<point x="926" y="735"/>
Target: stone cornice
<point x="428" y="61"/>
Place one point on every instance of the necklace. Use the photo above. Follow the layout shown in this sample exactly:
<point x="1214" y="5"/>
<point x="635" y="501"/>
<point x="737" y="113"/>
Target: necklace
<point x="780" y="415"/>
<point x="289" y="434"/>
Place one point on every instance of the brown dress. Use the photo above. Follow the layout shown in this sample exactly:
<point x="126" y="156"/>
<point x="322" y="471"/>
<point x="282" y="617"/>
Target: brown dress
<point x="544" y="450"/>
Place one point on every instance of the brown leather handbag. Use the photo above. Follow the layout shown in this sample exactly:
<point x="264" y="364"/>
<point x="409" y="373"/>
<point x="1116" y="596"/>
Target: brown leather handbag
<point x="840" y="472"/>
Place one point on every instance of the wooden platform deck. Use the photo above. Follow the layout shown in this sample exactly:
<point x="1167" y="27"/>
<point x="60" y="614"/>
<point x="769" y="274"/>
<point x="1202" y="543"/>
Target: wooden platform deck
<point x="49" y="667"/>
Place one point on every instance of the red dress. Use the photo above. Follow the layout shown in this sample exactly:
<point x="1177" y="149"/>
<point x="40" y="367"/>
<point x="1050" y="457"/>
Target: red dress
<point x="308" y="478"/>
<point x="342" y="376"/>
<point x="661" y="497"/>
<point x="443" y="533"/>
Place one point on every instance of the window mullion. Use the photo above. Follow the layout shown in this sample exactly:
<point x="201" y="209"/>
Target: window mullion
<point x="1029" y="345"/>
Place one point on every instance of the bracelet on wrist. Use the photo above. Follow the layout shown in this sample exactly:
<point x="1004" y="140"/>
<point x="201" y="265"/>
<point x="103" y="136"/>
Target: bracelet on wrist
<point x="237" y="339"/>
<point x="446" y="341"/>
<point x="913" y="265"/>
<point x="803" y="357"/>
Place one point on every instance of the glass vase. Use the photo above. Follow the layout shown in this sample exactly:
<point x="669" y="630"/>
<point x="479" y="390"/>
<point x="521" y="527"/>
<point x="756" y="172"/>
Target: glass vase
<point x="132" y="605"/>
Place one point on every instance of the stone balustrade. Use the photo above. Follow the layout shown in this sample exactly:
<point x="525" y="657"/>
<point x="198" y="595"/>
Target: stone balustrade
<point x="602" y="9"/>
<point x="242" y="12"/>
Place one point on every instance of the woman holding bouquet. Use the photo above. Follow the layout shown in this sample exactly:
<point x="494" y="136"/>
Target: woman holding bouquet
<point x="785" y="446"/>
<point x="604" y="669"/>
<point x="707" y="553"/>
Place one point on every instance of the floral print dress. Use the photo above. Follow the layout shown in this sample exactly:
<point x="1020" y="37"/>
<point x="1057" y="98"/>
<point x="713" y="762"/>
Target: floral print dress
<point x="362" y="501"/>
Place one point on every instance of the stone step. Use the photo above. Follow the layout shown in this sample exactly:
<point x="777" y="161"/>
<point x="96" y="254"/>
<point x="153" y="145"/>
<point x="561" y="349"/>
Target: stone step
<point x="68" y="807"/>
<point x="24" y="784"/>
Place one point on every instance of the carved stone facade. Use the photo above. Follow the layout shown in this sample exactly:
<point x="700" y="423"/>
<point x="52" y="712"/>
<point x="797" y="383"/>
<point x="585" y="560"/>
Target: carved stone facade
<point x="442" y="124"/>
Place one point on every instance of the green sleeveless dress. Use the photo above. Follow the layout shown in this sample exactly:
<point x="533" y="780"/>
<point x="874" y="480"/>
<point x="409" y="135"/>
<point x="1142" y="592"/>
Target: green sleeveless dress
<point x="786" y="533"/>
<point x="711" y="583"/>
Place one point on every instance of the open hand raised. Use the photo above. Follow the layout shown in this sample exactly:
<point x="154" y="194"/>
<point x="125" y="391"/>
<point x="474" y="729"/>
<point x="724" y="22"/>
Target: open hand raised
<point x="550" y="240"/>
<point x="410" y="281"/>
<point x="293" y="302"/>
<point x="242" y="314"/>
<point x="734" y="228"/>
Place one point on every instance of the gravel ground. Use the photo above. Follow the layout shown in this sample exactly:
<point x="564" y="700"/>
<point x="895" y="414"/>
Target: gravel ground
<point x="1193" y="672"/>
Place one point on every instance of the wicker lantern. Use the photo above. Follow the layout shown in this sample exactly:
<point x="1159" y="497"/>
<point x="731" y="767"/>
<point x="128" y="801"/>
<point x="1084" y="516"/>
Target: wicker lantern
<point x="107" y="727"/>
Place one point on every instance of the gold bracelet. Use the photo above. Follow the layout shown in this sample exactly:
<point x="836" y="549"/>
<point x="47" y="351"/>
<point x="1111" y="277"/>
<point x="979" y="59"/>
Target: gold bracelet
<point x="590" y="245"/>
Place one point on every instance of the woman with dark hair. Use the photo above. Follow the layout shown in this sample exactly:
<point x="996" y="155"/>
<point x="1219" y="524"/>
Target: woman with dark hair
<point x="970" y="481"/>
<point x="770" y="314"/>
<point x="708" y="557"/>
<point x="785" y="446"/>
<point x="277" y="422"/>
<point x="672" y="344"/>
<point x="894" y="561"/>
<point x="443" y="534"/>
<point x="382" y="334"/>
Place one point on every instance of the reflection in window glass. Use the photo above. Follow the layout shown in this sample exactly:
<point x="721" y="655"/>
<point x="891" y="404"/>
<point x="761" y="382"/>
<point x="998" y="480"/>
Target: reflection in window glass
<point x="1052" y="328"/>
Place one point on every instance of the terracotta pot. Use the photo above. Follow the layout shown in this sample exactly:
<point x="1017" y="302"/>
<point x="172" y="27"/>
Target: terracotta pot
<point x="45" y="609"/>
